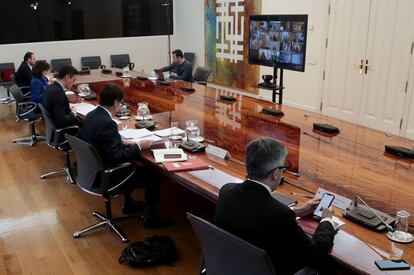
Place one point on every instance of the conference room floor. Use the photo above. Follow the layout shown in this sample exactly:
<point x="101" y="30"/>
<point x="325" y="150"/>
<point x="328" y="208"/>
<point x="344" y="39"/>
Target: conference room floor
<point x="38" y="217"/>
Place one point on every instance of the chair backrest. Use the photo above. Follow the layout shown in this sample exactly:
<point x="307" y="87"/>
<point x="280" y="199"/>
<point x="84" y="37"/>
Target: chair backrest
<point x="9" y="65"/>
<point x="225" y="253"/>
<point x="92" y="62"/>
<point x="57" y="64"/>
<point x="13" y="78"/>
<point x="89" y="164"/>
<point x="189" y="57"/>
<point x="50" y="127"/>
<point x="201" y="74"/>
<point x="17" y="94"/>
<point x="120" y="60"/>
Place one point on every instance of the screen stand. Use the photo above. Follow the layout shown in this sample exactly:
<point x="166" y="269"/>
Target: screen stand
<point x="278" y="87"/>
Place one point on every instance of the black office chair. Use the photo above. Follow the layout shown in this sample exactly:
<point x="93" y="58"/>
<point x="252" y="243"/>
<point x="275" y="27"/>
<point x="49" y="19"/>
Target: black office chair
<point x="91" y="63"/>
<point x="201" y="75"/>
<point x="121" y="60"/>
<point x="25" y="89"/>
<point x="189" y="57"/>
<point x="57" y="64"/>
<point x="55" y="138"/>
<point x="224" y="253"/>
<point x="6" y="83"/>
<point x="25" y="110"/>
<point x="90" y="169"/>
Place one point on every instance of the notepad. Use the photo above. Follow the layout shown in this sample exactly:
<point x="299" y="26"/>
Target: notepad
<point x="84" y="108"/>
<point x="215" y="177"/>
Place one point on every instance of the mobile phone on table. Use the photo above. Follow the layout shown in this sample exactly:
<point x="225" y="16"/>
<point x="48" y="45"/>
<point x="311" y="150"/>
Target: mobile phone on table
<point x="392" y="264"/>
<point x="325" y="202"/>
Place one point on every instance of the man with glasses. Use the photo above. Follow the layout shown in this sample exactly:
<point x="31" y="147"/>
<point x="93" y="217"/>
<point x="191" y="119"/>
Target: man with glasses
<point x="249" y="211"/>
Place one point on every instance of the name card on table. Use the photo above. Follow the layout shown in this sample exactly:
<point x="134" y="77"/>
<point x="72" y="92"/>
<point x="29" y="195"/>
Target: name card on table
<point x="340" y="201"/>
<point x="218" y="152"/>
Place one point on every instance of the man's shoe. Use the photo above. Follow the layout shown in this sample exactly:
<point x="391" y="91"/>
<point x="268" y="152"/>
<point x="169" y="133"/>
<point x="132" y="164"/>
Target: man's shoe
<point x="157" y="221"/>
<point x="133" y="207"/>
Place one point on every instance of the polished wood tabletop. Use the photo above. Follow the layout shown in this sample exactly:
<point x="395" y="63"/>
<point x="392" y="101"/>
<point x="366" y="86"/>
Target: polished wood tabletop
<point x="351" y="163"/>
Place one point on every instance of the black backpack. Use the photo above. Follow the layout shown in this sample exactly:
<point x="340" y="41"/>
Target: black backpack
<point x="151" y="251"/>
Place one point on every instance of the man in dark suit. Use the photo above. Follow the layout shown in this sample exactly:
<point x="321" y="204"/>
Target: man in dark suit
<point x="56" y="101"/>
<point x="180" y="66"/>
<point x="23" y="76"/>
<point x="100" y="130"/>
<point x="249" y="211"/>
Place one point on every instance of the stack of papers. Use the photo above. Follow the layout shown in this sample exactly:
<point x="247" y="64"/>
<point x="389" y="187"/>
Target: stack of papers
<point x="215" y="177"/>
<point x="83" y="108"/>
<point x="169" y="155"/>
<point x="167" y="132"/>
<point x="134" y="133"/>
<point x="138" y="134"/>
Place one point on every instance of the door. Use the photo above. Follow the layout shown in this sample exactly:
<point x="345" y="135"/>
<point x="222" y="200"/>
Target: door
<point x="347" y="38"/>
<point x="389" y="44"/>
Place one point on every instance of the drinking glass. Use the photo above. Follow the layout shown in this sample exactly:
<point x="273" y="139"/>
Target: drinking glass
<point x="401" y="225"/>
<point x="174" y="131"/>
<point x="127" y="82"/>
<point x="192" y="130"/>
<point x="143" y="111"/>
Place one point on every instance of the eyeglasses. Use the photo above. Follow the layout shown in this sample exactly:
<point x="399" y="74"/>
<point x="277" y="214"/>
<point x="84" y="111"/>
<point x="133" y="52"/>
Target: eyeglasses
<point x="282" y="167"/>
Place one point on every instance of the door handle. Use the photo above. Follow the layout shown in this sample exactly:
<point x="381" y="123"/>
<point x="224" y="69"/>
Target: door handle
<point x="366" y="66"/>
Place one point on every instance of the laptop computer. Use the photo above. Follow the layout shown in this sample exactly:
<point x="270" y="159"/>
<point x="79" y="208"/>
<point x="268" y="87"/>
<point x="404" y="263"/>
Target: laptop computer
<point x="159" y="74"/>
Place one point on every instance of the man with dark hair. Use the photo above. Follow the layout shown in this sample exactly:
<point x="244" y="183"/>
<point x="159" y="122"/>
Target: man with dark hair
<point x="56" y="101"/>
<point x="249" y="211"/>
<point x="100" y="130"/>
<point x="180" y="66"/>
<point x="39" y="81"/>
<point x="23" y="76"/>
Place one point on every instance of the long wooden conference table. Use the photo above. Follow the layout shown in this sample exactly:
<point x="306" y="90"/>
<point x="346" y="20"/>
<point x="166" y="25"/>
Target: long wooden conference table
<point x="351" y="163"/>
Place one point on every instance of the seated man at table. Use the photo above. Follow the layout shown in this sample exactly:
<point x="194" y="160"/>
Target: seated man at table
<point x="100" y="130"/>
<point x="56" y="101"/>
<point x="249" y="211"/>
<point x="23" y="76"/>
<point x="182" y="68"/>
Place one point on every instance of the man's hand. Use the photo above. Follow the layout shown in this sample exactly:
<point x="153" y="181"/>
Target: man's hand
<point x="327" y="212"/>
<point x="127" y="142"/>
<point x="144" y="144"/>
<point x="307" y="208"/>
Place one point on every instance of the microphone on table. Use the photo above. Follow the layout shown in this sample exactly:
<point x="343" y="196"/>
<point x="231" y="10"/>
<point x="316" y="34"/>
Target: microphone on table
<point x="400" y="151"/>
<point x="324" y="127"/>
<point x="389" y="227"/>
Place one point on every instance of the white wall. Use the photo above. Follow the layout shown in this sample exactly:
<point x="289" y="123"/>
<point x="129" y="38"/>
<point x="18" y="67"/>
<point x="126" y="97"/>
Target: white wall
<point x="189" y="29"/>
<point x="146" y="52"/>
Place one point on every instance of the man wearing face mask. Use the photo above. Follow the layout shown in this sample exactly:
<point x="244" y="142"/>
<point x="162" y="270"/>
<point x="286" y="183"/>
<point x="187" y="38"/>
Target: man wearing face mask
<point x="56" y="101"/>
<point x="100" y="130"/>
<point x="249" y="211"/>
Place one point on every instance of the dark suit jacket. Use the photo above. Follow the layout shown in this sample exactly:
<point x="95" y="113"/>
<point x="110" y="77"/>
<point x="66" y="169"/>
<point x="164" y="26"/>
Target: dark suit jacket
<point x="248" y="211"/>
<point x="100" y="130"/>
<point x="23" y="76"/>
<point x="57" y="103"/>
<point x="184" y="71"/>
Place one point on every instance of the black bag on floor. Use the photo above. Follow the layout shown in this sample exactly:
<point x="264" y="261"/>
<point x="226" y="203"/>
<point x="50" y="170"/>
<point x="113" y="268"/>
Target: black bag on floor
<point x="151" y="251"/>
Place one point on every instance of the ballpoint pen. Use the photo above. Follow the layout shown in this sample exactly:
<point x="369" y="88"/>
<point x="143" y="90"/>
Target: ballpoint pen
<point x="302" y="195"/>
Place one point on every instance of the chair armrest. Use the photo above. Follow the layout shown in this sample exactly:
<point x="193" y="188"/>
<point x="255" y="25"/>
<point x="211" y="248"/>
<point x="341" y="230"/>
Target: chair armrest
<point x="106" y="177"/>
<point x="102" y="67"/>
<point x="307" y="271"/>
<point x="22" y="104"/>
<point x="115" y="168"/>
<point x="73" y="130"/>
<point x="86" y="68"/>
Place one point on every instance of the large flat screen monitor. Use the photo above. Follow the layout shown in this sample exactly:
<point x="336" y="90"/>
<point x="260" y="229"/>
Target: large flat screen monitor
<point x="278" y="41"/>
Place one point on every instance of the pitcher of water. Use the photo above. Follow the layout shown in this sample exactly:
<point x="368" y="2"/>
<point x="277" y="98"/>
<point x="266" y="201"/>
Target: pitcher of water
<point x="143" y="111"/>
